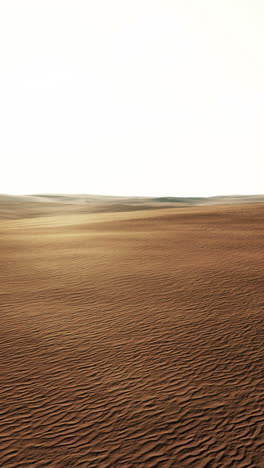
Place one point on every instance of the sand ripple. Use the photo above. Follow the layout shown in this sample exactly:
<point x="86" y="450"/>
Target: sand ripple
<point x="134" y="342"/>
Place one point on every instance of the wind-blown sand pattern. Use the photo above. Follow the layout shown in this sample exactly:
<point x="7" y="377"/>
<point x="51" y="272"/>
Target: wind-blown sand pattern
<point x="133" y="339"/>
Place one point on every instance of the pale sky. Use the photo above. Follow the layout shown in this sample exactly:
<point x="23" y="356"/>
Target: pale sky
<point x="132" y="97"/>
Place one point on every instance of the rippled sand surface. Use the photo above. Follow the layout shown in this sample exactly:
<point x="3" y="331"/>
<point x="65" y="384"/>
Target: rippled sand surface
<point x="133" y="339"/>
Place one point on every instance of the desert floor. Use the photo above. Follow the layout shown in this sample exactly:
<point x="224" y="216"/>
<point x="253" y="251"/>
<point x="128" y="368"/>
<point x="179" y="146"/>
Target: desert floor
<point x="133" y="339"/>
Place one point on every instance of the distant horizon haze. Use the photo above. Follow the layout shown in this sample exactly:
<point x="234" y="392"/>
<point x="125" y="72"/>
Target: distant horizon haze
<point x="133" y="195"/>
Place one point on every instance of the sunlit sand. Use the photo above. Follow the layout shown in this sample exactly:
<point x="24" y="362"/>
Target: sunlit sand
<point x="131" y="337"/>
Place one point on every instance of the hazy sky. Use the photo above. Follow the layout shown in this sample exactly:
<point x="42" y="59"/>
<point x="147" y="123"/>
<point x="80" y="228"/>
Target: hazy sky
<point x="132" y="97"/>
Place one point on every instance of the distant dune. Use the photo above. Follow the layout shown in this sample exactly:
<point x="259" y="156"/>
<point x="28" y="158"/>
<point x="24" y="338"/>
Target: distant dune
<point x="131" y="338"/>
<point x="31" y="206"/>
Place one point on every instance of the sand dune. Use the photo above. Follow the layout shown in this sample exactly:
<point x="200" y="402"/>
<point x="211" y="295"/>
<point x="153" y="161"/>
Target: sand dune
<point x="131" y="338"/>
<point x="39" y="205"/>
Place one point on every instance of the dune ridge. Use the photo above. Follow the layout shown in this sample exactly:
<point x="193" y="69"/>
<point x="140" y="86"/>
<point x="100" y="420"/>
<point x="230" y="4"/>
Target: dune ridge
<point x="39" y="205"/>
<point x="132" y="339"/>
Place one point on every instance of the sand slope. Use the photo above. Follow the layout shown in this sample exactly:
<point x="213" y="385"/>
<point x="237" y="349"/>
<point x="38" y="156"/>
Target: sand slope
<point x="133" y="339"/>
<point x="35" y="206"/>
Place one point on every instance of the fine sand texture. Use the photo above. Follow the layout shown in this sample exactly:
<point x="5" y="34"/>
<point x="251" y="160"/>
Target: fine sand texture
<point x="132" y="338"/>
